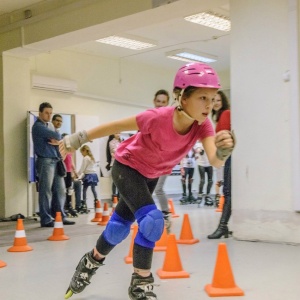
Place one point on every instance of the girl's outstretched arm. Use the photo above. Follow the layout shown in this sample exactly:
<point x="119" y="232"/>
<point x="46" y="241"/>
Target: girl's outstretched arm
<point x="75" y="140"/>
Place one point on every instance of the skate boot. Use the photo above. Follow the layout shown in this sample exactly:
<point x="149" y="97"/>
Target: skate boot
<point x="192" y="199"/>
<point x="199" y="198"/>
<point x="72" y="212"/>
<point x="85" y="269"/>
<point x="208" y="201"/>
<point x="84" y="209"/>
<point x="141" y="288"/>
<point x="184" y="199"/>
<point x="217" y="200"/>
<point x="168" y="222"/>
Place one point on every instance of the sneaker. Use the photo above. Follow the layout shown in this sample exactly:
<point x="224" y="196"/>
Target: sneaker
<point x="141" y="288"/>
<point x="168" y="222"/>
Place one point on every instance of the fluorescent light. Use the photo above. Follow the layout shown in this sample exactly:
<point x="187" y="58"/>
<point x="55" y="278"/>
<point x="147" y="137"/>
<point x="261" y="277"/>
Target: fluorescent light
<point x="210" y="19"/>
<point x="191" y="56"/>
<point x="125" y="43"/>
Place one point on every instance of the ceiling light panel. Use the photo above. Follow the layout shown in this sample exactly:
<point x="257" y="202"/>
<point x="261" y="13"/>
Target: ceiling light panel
<point x="191" y="56"/>
<point x="125" y="43"/>
<point x="211" y="19"/>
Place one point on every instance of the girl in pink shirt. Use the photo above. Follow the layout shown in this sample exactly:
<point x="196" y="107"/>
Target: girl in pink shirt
<point x="165" y="136"/>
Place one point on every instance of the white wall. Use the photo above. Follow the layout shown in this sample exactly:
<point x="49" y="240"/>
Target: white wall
<point x="262" y="164"/>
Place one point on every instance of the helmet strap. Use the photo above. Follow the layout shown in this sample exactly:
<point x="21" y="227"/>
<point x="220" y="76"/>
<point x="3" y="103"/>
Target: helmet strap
<point x="179" y="107"/>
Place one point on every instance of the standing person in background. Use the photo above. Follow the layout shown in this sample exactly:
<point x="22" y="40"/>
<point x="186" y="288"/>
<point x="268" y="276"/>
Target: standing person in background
<point x="161" y="99"/>
<point x="221" y="104"/>
<point x="70" y="167"/>
<point x="164" y="136"/>
<point x="51" y="184"/>
<point x="187" y="169"/>
<point x="204" y="167"/>
<point x="224" y="123"/>
<point x="113" y="142"/>
<point x="88" y="175"/>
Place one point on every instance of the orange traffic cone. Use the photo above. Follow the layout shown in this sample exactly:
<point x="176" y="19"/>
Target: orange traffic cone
<point x="128" y="258"/>
<point x="223" y="281"/>
<point x="161" y="244"/>
<point x="20" y="242"/>
<point x="172" y="267"/>
<point x="186" y="235"/>
<point x="221" y="204"/>
<point x="105" y="215"/>
<point x="171" y="208"/>
<point x="2" y="264"/>
<point x="115" y="202"/>
<point x="98" y="213"/>
<point x="58" y="230"/>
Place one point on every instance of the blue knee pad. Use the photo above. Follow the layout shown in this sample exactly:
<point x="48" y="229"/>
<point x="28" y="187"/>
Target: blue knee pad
<point x="117" y="229"/>
<point x="151" y="225"/>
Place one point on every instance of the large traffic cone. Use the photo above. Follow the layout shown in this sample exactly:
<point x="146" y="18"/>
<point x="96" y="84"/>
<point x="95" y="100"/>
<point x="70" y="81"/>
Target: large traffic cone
<point x="58" y="230"/>
<point x="161" y="244"/>
<point x="172" y="209"/>
<point x="114" y="204"/>
<point x="98" y="213"/>
<point x="186" y="235"/>
<point x="20" y="242"/>
<point x="221" y="204"/>
<point x="105" y="215"/>
<point x="2" y="264"/>
<point x="223" y="281"/>
<point x="128" y="258"/>
<point x="172" y="267"/>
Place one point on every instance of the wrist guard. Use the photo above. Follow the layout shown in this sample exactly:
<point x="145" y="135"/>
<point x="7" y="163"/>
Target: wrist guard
<point x="75" y="140"/>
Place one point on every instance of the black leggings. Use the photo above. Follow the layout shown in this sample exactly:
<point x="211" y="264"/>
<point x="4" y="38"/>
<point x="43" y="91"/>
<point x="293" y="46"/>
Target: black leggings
<point x="209" y="172"/>
<point x="135" y="192"/>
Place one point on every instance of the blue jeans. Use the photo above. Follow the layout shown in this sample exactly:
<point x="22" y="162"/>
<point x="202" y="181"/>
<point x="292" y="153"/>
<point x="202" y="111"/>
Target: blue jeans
<point x="51" y="189"/>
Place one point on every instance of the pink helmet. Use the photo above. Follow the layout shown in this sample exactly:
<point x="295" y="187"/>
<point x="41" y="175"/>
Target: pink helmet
<point x="197" y="75"/>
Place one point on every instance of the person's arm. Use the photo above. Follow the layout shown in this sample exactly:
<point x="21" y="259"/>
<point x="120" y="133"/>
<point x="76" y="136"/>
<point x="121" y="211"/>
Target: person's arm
<point x="74" y="141"/>
<point x="83" y="167"/>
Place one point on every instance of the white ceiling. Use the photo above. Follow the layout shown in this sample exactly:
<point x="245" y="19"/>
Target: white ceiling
<point x="163" y="25"/>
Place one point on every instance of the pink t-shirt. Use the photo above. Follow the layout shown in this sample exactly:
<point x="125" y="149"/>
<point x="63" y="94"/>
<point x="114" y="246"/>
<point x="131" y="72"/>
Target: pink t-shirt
<point x="68" y="162"/>
<point x="157" y="147"/>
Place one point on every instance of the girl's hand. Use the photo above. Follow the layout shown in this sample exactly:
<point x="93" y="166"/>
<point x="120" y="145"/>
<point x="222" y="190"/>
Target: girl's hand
<point x="225" y="142"/>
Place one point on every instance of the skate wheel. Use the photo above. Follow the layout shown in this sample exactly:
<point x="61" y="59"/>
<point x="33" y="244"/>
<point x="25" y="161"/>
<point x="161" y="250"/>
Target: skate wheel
<point x="68" y="294"/>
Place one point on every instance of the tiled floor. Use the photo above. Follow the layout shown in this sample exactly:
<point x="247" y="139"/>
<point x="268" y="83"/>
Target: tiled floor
<point x="263" y="271"/>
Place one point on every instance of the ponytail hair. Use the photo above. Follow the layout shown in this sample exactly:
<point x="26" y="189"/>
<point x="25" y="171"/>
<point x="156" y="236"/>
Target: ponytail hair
<point x="88" y="151"/>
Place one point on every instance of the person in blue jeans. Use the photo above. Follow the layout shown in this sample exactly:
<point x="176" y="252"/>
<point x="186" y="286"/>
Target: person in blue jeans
<point x="51" y="184"/>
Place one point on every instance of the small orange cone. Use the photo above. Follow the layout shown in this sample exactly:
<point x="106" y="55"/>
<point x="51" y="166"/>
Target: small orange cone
<point x="172" y="267"/>
<point x="20" y="242"/>
<point x="221" y="204"/>
<point x="161" y="244"/>
<point x="58" y="231"/>
<point x="2" y="264"/>
<point x="115" y="202"/>
<point x="128" y="258"/>
<point x="171" y="208"/>
<point x="98" y="213"/>
<point x="186" y="235"/>
<point x="105" y="215"/>
<point x="223" y="281"/>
